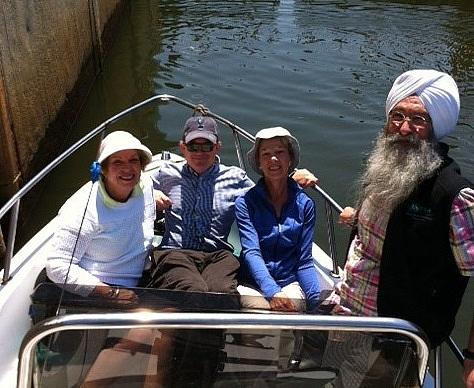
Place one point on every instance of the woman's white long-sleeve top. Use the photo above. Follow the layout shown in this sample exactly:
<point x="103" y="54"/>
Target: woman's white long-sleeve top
<point x="111" y="246"/>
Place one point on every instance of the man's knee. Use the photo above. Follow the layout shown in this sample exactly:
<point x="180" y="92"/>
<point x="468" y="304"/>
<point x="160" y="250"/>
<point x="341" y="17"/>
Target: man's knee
<point x="225" y="285"/>
<point x="190" y="284"/>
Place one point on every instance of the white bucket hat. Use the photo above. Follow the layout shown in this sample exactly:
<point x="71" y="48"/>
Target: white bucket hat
<point x="120" y="141"/>
<point x="269" y="133"/>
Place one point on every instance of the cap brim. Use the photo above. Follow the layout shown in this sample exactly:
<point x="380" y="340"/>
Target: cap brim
<point x="200" y="135"/>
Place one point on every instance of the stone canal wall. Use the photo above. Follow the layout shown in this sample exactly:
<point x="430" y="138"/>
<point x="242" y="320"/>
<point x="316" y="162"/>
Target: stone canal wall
<point x="50" y="54"/>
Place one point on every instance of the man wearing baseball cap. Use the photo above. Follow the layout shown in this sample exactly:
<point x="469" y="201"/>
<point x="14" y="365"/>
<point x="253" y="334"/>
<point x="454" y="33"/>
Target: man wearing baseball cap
<point x="198" y="199"/>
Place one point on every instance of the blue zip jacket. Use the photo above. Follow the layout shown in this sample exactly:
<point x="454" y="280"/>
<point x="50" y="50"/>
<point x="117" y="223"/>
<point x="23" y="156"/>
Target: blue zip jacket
<point x="277" y="251"/>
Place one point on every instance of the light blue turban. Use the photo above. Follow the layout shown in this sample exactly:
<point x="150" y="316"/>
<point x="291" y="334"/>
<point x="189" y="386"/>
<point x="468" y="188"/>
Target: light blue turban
<point x="437" y="91"/>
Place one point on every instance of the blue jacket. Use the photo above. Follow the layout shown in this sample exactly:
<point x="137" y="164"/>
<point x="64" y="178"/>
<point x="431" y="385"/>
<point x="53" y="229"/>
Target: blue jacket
<point x="277" y="251"/>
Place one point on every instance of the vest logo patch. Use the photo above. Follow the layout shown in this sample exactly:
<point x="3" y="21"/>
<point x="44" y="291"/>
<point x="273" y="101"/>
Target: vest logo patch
<point x="417" y="211"/>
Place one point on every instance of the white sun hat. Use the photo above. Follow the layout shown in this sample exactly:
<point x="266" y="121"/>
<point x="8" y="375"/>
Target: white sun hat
<point x="269" y="133"/>
<point x="120" y="141"/>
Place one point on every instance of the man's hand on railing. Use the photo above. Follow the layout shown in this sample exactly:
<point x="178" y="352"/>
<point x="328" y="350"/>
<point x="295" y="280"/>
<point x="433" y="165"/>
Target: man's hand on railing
<point x="348" y="216"/>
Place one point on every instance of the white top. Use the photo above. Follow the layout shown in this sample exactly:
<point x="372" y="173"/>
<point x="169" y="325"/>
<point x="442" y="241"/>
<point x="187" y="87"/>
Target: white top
<point x="114" y="243"/>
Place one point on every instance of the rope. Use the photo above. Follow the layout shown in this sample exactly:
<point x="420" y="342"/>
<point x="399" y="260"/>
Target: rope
<point x="200" y="110"/>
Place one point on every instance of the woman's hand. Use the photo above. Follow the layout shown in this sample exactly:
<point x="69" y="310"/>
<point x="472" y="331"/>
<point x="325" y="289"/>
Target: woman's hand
<point x="305" y="178"/>
<point x="120" y="296"/>
<point x="162" y="201"/>
<point x="348" y="216"/>
<point x="126" y="297"/>
<point x="281" y="302"/>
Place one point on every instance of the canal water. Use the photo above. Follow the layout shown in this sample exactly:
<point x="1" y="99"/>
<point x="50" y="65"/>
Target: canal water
<point x="319" y="68"/>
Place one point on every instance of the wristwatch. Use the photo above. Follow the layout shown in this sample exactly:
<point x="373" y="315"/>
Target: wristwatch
<point x="113" y="292"/>
<point x="468" y="354"/>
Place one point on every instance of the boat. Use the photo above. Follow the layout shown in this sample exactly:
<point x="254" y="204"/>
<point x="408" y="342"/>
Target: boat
<point x="50" y="338"/>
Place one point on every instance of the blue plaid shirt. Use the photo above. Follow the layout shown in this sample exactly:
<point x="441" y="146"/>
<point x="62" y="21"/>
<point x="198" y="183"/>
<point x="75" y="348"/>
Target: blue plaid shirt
<point x="202" y="211"/>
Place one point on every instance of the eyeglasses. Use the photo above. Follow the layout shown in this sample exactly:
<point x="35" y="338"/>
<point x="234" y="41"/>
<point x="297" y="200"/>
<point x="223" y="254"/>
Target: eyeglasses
<point x="199" y="147"/>
<point x="416" y="121"/>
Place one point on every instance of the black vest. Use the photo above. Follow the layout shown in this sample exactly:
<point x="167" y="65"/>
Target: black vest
<point x="419" y="279"/>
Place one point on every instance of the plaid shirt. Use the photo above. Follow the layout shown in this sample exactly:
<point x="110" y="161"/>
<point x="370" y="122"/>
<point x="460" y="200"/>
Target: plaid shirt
<point x="202" y="211"/>
<point x="356" y="294"/>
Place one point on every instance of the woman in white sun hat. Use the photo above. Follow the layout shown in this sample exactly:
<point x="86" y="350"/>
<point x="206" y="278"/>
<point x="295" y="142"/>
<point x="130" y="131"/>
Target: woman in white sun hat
<point x="105" y="229"/>
<point x="101" y="248"/>
<point x="276" y="221"/>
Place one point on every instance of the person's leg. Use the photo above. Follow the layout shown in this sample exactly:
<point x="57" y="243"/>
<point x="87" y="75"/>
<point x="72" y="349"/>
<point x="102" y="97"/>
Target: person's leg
<point x="395" y="365"/>
<point x="350" y="354"/>
<point x="196" y="352"/>
<point x="220" y="271"/>
<point x="291" y="342"/>
<point x="176" y="269"/>
<point x="127" y="358"/>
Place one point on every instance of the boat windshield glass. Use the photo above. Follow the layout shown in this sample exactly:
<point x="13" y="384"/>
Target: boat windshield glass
<point x="235" y="356"/>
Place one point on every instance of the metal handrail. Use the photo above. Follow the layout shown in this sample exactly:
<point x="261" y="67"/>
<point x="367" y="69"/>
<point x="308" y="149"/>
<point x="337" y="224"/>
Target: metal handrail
<point x="14" y="202"/>
<point x="330" y="205"/>
<point x="455" y="350"/>
<point x="215" y="321"/>
<point x="46" y="170"/>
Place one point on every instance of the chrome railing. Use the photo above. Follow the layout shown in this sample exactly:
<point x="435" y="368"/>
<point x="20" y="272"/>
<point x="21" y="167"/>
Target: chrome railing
<point x="13" y="204"/>
<point x="175" y="320"/>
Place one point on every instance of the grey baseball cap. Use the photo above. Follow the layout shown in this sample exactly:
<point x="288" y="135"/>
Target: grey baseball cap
<point x="197" y="127"/>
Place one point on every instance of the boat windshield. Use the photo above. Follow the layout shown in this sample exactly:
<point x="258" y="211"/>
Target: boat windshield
<point x="165" y="342"/>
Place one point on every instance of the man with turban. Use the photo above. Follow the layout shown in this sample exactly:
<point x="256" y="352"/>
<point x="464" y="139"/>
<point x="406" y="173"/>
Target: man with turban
<point x="412" y="250"/>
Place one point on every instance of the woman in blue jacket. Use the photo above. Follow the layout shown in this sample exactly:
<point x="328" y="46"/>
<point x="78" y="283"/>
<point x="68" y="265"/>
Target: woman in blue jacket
<point x="276" y="221"/>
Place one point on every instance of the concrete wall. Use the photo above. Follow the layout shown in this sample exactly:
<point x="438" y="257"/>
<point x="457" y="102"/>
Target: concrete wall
<point x="47" y="47"/>
<point x="50" y="54"/>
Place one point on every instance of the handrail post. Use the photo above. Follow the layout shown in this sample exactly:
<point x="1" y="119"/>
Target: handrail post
<point x="11" y="240"/>
<point x="332" y="241"/>
<point x="455" y="350"/>
<point x="238" y="148"/>
<point x="438" y="367"/>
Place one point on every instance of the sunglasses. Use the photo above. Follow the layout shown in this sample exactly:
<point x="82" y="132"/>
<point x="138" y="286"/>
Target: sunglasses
<point x="202" y="147"/>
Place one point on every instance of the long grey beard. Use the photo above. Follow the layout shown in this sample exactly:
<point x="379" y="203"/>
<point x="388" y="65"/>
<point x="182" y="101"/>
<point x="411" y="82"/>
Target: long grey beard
<point x="396" y="166"/>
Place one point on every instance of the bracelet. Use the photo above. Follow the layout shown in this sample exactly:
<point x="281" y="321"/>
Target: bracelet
<point x="114" y="292"/>
<point x="468" y="354"/>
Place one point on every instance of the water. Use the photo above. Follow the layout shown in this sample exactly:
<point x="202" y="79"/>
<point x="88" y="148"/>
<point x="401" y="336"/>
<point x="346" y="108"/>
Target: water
<point x="319" y="68"/>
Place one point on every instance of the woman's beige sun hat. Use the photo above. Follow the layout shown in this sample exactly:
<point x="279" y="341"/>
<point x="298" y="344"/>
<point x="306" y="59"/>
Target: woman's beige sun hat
<point x="120" y="141"/>
<point x="269" y="133"/>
